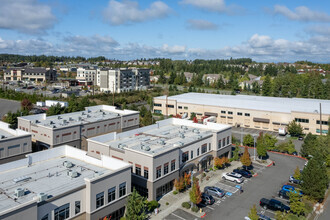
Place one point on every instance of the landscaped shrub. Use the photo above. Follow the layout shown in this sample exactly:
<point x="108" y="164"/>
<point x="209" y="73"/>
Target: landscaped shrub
<point x="194" y="209"/>
<point x="152" y="205"/>
<point x="186" y="205"/>
<point x="175" y="192"/>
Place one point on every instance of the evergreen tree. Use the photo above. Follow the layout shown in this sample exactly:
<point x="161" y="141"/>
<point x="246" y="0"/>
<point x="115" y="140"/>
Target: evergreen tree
<point x="297" y="206"/>
<point x="192" y="115"/>
<point x="195" y="193"/>
<point x="253" y="214"/>
<point x="236" y="154"/>
<point x="136" y="206"/>
<point x="172" y="78"/>
<point x="245" y="158"/>
<point x="309" y="145"/>
<point x="55" y="110"/>
<point x="314" y="178"/>
<point x="248" y="140"/>
<point x="270" y="141"/>
<point x="267" y="86"/>
<point x="295" y="129"/>
<point x="297" y="173"/>
<point x="261" y="147"/>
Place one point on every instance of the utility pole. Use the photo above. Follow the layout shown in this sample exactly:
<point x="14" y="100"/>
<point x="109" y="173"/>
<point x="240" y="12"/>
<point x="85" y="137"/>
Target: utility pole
<point x="320" y="119"/>
<point x="113" y="93"/>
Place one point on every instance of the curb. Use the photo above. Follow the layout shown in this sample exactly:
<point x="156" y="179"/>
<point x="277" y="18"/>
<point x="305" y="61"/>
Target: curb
<point x="255" y="175"/>
<point x="203" y="215"/>
<point x="270" y="164"/>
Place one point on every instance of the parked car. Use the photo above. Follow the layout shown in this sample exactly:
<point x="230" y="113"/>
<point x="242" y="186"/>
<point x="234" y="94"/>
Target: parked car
<point x="294" y="180"/>
<point x="18" y="90"/>
<point x="207" y="199"/>
<point x="244" y="173"/>
<point x="283" y="194"/>
<point x="289" y="188"/>
<point x="263" y="217"/>
<point x="234" y="177"/>
<point x="274" y="205"/>
<point x="214" y="191"/>
<point x="30" y="87"/>
<point x="300" y="138"/>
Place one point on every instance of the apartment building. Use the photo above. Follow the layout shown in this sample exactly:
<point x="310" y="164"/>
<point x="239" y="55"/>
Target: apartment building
<point x="14" y="144"/>
<point x="160" y="153"/>
<point x="74" y="128"/>
<point x="64" y="183"/>
<point x="265" y="113"/>
<point x="35" y="74"/>
<point x="86" y="76"/>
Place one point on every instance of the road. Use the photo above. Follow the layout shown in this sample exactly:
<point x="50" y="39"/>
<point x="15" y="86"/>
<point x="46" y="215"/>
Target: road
<point x="265" y="185"/>
<point x="8" y="105"/>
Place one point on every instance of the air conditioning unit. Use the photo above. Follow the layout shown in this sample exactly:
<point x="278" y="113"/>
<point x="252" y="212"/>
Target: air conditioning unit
<point x="42" y="197"/>
<point x="19" y="192"/>
<point x="68" y="164"/>
<point x="73" y="174"/>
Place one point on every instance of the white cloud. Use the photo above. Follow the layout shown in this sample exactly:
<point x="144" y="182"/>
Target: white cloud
<point x="214" y="6"/>
<point x="201" y="25"/>
<point x="117" y="13"/>
<point x="302" y="13"/>
<point x="318" y="30"/>
<point x="176" y="49"/>
<point x="86" y="44"/>
<point x="28" y="16"/>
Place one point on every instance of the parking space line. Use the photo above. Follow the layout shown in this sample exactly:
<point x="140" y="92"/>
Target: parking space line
<point x="227" y="188"/>
<point x="279" y="198"/>
<point x="178" y="216"/>
<point x="209" y="207"/>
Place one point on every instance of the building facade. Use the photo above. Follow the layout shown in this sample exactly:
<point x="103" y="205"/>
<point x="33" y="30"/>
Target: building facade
<point x="35" y="74"/>
<point x="163" y="152"/>
<point x="64" y="183"/>
<point x="74" y="128"/>
<point x="265" y="113"/>
<point x="87" y="76"/>
<point x="14" y="144"/>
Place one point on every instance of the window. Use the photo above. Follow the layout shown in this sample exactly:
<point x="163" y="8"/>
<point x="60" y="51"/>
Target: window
<point x="227" y="140"/>
<point x="170" y="106"/>
<point x="146" y="173"/>
<point x="302" y="120"/>
<point x="122" y="189"/>
<point x="185" y="108"/>
<point x="230" y="113"/>
<point x="223" y="142"/>
<point x="158" y="172"/>
<point x="185" y="157"/>
<point x="76" y="207"/>
<point x="209" y="146"/>
<point x="45" y="217"/>
<point x="99" y="200"/>
<point x="172" y="165"/>
<point x="158" y="104"/>
<point x="239" y="113"/>
<point x="223" y="112"/>
<point x="165" y="168"/>
<point x="247" y="114"/>
<point x="111" y="194"/>
<point x="219" y="144"/>
<point x="191" y="154"/>
<point x="138" y="170"/>
<point x="197" y="151"/>
<point x="62" y="212"/>
<point x="323" y="122"/>
<point x="179" y="107"/>
<point x="204" y="148"/>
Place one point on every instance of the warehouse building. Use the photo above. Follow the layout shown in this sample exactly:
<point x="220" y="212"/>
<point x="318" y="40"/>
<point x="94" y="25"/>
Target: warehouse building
<point x="74" y="128"/>
<point x="14" y="144"/>
<point x="259" y="112"/>
<point x="64" y="183"/>
<point x="162" y="152"/>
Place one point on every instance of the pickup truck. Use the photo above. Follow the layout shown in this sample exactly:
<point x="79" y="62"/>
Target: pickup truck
<point x="274" y="205"/>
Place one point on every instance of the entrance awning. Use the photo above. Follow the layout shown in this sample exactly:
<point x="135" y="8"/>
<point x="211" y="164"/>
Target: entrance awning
<point x="263" y="120"/>
<point x="187" y="165"/>
<point x="211" y="114"/>
<point x="204" y="157"/>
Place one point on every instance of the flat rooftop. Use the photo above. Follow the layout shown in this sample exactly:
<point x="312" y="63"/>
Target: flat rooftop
<point x="262" y="103"/>
<point x="6" y="132"/>
<point x="48" y="174"/>
<point x="161" y="137"/>
<point x="89" y="115"/>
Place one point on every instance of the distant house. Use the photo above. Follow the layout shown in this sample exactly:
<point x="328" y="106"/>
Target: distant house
<point x="249" y="83"/>
<point x="212" y="78"/>
<point x="188" y="76"/>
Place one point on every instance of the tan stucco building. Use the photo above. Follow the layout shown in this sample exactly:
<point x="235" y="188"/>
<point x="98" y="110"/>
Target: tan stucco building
<point x="260" y="112"/>
<point x="160" y="153"/>
<point x="64" y="183"/>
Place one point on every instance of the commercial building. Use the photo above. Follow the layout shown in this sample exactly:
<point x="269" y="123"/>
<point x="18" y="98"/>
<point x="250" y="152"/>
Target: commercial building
<point x="64" y="183"/>
<point x="266" y="113"/>
<point x="160" y="153"/>
<point x="73" y="128"/>
<point x="14" y="144"/>
<point x="115" y="80"/>
<point x="35" y="74"/>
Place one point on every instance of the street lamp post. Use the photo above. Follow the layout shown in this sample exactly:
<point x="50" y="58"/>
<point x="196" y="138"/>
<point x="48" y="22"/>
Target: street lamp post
<point x="254" y="147"/>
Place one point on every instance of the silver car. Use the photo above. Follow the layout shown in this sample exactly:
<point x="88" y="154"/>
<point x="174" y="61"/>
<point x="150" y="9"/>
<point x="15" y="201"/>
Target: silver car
<point x="214" y="191"/>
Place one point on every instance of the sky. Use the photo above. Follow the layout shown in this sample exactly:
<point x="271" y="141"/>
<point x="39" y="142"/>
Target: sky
<point x="264" y="30"/>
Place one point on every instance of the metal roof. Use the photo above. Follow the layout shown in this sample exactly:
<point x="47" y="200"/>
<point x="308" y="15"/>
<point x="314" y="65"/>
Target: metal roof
<point x="262" y="103"/>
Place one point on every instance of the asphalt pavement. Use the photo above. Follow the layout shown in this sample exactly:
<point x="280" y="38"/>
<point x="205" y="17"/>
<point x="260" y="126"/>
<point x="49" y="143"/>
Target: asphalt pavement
<point x="8" y="105"/>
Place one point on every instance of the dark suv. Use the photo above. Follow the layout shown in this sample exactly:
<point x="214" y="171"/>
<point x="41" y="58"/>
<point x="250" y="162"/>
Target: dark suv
<point x="244" y="173"/>
<point x="207" y="199"/>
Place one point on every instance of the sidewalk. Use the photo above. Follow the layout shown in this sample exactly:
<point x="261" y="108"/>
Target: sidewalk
<point x="175" y="201"/>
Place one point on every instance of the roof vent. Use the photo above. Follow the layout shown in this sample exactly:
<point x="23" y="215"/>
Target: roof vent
<point x="196" y="131"/>
<point x="161" y="141"/>
<point x="121" y="146"/>
<point x="68" y="164"/>
<point x="59" y="117"/>
<point x="82" y="113"/>
<point x="88" y="110"/>
<point x="21" y="179"/>
<point x="70" y="119"/>
<point x="64" y="121"/>
<point x="178" y="144"/>
<point x="199" y="137"/>
<point x="53" y="126"/>
<point x="2" y="136"/>
<point x="165" y="133"/>
<point x="19" y="192"/>
<point x="37" y="121"/>
<point x="42" y="196"/>
<point x="88" y="116"/>
<point x="51" y="122"/>
<point x="181" y="135"/>
<point x="185" y="128"/>
<point x="79" y="118"/>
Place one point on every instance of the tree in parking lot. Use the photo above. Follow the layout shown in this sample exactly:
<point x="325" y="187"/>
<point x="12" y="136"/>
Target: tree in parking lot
<point x="297" y="206"/>
<point x="261" y="146"/>
<point x="295" y="129"/>
<point x="248" y="140"/>
<point x="245" y="158"/>
<point x="195" y="193"/>
<point x="297" y="173"/>
<point x="270" y="141"/>
<point x="281" y="215"/>
<point x="314" y="178"/>
<point x="253" y="215"/>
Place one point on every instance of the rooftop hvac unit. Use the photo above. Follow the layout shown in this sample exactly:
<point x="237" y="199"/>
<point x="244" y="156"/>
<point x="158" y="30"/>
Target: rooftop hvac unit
<point x="178" y="144"/>
<point x="59" y="117"/>
<point x="181" y="135"/>
<point x="185" y="128"/>
<point x="64" y="121"/>
<point x="82" y="113"/>
<point x="121" y="146"/>
<point x="42" y="197"/>
<point x="19" y="192"/>
<point x="79" y="118"/>
<point x="70" y="119"/>
<point x="88" y="116"/>
<point x="51" y="122"/>
<point x="37" y="121"/>
<point x="162" y="142"/>
<point x="67" y="164"/>
<point x="196" y="131"/>
<point x="72" y="173"/>
<point x="2" y="136"/>
<point x="199" y="137"/>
